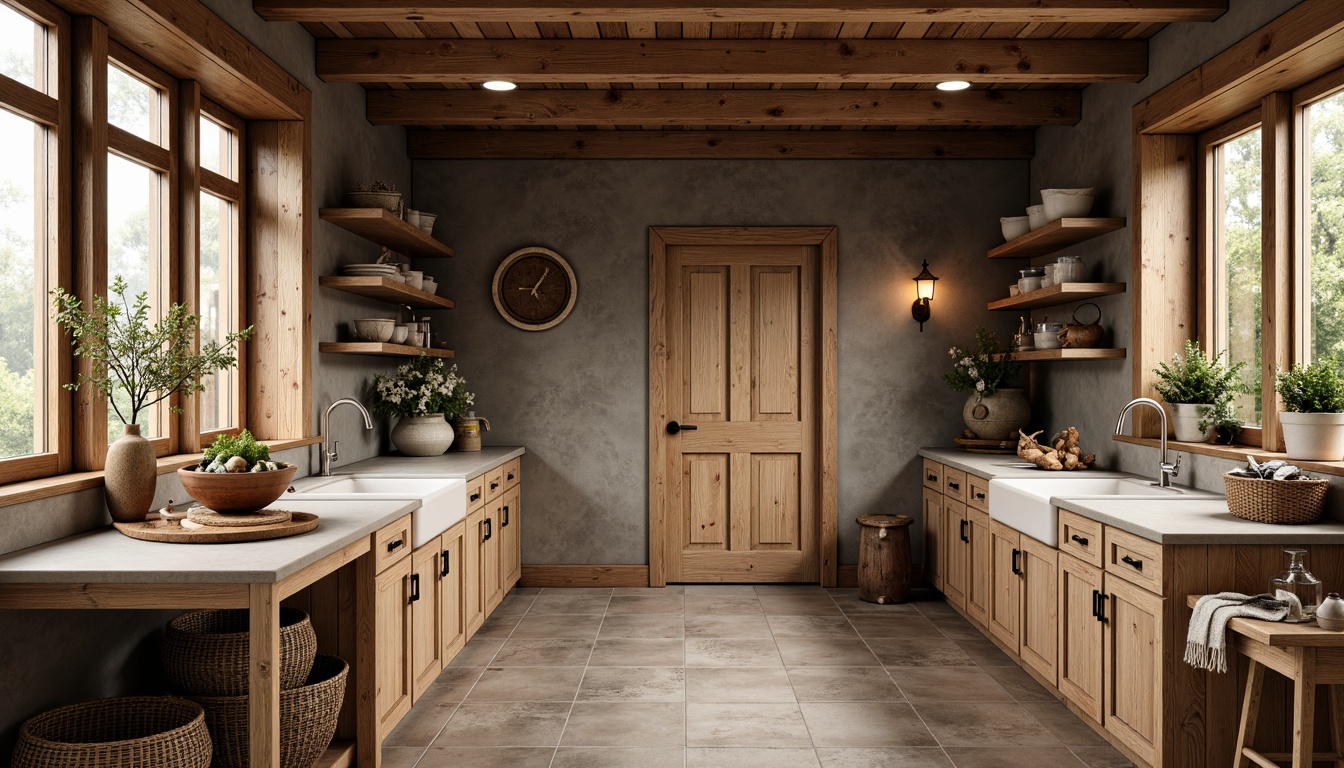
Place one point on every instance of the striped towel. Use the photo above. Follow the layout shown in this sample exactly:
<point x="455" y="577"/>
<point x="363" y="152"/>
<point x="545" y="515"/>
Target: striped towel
<point x="1205" y="643"/>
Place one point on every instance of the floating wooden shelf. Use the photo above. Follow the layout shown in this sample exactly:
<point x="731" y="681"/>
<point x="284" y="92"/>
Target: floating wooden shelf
<point x="1062" y="293"/>
<point x="380" y="350"/>
<point x="385" y="229"/>
<point x="1047" y="355"/>
<point x="387" y="289"/>
<point x="1054" y="236"/>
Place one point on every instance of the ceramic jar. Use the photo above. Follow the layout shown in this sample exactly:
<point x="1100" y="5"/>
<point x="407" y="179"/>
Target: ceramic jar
<point x="998" y="416"/>
<point x="1313" y="436"/>
<point x="130" y="475"/>
<point x="1330" y="613"/>
<point x="1185" y="423"/>
<point x="429" y="435"/>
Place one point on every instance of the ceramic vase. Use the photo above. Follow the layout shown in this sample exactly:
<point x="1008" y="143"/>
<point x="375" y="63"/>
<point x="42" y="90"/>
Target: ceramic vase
<point x="129" y="476"/>
<point x="1313" y="436"/>
<point x="422" y="435"/>
<point x="1185" y="423"/>
<point x="998" y="416"/>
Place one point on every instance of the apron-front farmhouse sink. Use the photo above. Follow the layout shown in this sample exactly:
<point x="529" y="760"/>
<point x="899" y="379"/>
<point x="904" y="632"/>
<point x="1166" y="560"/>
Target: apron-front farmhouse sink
<point x="443" y="501"/>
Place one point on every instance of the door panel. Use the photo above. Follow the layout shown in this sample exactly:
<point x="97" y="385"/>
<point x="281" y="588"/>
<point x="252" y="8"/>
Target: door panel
<point x="426" y="616"/>
<point x="1080" y="644"/>
<point x="1133" y="665"/>
<point x="775" y="495"/>
<point x="1006" y="606"/>
<point x="706" y="514"/>
<point x="775" y="303"/>
<point x="978" y="583"/>
<point x="1040" y="607"/>
<point x="956" y="533"/>
<point x="706" y="374"/>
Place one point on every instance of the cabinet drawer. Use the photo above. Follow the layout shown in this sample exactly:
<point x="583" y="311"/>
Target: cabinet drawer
<point x="391" y="543"/>
<point x="1134" y="559"/>
<point x="513" y="472"/>
<point x="978" y="494"/>
<point x="1080" y="537"/>
<point x="494" y="483"/>
<point x="954" y="484"/>
<point x="933" y="476"/>
<point x="476" y="492"/>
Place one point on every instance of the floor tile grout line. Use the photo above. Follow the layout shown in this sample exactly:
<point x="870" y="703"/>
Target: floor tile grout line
<point x="591" y="650"/>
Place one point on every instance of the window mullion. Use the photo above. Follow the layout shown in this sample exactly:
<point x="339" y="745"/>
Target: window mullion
<point x="1276" y="315"/>
<point x="188" y="251"/>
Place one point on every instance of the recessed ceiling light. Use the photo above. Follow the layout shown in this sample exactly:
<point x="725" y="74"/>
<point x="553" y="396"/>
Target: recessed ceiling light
<point x="504" y="85"/>
<point x="954" y="85"/>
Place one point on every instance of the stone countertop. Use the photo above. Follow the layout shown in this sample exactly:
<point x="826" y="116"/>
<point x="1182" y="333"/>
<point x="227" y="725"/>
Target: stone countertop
<point x="990" y="466"/>
<point x="107" y="556"/>
<point x="1197" y="522"/>
<point x="451" y="464"/>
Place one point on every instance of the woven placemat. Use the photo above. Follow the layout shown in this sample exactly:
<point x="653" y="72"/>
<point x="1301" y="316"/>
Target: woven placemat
<point x="204" y="516"/>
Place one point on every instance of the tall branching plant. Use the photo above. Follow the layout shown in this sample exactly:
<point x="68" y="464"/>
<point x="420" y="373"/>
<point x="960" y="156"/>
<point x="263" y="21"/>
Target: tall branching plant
<point x="148" y="362"/>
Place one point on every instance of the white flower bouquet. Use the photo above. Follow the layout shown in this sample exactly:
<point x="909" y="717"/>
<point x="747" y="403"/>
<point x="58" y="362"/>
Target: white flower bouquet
<point x="422" y="387"/>
<point x="983" y="371"/>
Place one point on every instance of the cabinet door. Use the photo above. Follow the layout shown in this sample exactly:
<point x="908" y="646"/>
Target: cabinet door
<point x="933" y="538"/>
<point x="473" y="607"/>
<point x="451" y="601"/>
<point x="510" y="541"/>
<point x="1080" y="645"/>
<point x="1038" y="640"/>
<point x="1132" y="681"/>
<point x="1005" y="617"/>
<point x="956" y="538"/>
<point x="392" y="616"/>
<point x="489" y="546"/>
<point x="426" y="618"/>
<point x="978" y="566"/>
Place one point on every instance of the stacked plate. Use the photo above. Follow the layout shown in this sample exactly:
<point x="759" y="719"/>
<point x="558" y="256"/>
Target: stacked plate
<point x="372" y="270"/>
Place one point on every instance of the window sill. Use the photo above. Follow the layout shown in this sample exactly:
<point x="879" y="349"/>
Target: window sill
<point x="1236" y="453"/>
<point x="46" y="487"/>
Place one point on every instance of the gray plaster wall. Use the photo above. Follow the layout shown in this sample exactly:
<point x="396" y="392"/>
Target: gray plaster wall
<point x="577" y="395"/>
<point x="49" y="658"/>
<point x="1098" y="153"/>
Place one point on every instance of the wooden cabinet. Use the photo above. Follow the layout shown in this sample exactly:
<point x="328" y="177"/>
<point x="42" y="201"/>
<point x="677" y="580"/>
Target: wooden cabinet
<point x="1038" y="634"/>
<point x="451" y="584"/>
<point x="424" y="604"/>
<point x="978" y="566"/>
<point x="956" y="563"/>
<point x="934" y="537"/>
<point x="1079" y="665"/>
<point x="510" y="541"/>
<point x="392" y="619"/>
<point x="1005" y="616"/>
<point x="1132" y="655"/>
<point x="473" y="607"/>
<point x="488" y="542"/>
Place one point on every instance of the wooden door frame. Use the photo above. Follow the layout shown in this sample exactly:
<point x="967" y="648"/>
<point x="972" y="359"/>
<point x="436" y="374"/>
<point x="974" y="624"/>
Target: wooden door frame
<point x="825" y="239"/>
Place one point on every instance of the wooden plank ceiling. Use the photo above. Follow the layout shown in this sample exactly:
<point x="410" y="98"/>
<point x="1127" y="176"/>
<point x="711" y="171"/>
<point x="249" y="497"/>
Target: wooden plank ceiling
<point x="744" y="78"/>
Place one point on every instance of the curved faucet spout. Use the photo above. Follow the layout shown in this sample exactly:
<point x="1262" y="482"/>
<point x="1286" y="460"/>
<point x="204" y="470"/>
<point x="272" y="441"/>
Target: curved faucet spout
<point x="1167" y="470"/>
<point x="329" y="452"/>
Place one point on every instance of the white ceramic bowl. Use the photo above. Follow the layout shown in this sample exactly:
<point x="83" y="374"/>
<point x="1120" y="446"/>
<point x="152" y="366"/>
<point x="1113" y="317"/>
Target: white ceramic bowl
<point x="399" y="332"/>
<point x="427" y="222"/>
<point x="377" y="329"/>
<point x="1066" y="203"/>
<point x="415" y="339"/>
<point x="1036" y="216"/>
<point x="415" y="279"/>
<point x="1014" y="226"/>
<point x="429" y="285"/>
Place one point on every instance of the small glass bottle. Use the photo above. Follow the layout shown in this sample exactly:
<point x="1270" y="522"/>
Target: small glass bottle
<point x="1299" y="581"/>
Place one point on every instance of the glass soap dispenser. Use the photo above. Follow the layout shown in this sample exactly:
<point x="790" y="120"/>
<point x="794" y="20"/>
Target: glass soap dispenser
<point x="1299" y="581"/>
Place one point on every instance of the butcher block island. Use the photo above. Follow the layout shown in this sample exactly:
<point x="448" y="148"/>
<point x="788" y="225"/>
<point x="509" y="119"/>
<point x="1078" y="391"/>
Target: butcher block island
<point x="397" y="613"/>
<point x="1098" y="615"/>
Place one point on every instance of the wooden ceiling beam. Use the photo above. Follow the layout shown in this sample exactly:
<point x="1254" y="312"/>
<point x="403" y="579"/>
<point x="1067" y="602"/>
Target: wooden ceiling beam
<point x="960" y="11"/>
<point x="732" y="61"/>
<point x="720" y="145"/>
<point x="565" y="108"/>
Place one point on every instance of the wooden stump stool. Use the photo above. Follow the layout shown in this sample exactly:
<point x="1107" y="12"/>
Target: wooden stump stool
<point x="884" y="558"/>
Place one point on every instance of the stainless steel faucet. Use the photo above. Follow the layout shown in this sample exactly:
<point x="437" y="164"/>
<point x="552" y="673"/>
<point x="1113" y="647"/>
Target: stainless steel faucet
<point x="329" y="451"/>
<point x="1168" y="470"/>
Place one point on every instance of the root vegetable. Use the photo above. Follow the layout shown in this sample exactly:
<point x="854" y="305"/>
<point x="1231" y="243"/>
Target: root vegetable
<point x="1061" y="451"/>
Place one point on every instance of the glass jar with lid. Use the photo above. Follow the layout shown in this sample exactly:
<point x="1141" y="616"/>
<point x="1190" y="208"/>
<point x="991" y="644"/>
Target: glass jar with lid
<point x="1068" y="269"/>
<point x="1298" y="581"/>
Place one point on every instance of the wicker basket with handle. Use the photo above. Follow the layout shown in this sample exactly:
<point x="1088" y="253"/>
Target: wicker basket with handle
<point x="1282" y="502"/>
<point x="125" y="732"/>
<point x="205" y="653"/>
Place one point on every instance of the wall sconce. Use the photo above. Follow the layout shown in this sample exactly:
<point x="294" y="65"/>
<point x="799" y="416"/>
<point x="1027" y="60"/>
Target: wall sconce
<point x="923" y="295"/>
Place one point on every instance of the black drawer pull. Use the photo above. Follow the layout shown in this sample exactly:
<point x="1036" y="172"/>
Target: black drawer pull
<point x="505" y="522"/>
<point x="1101" y="606"/>
<point x="954" y="486"/>
<point x="447" y="567"/>
<point x="980" y="495"/>
<point x="1131" y="562"/>
<point x="392" y="545"/>
<point x="1096" y="605"/>
<point x="415" y="587"/>
<point x="932" y="478"/>
<point x="510" y="476"/>
<point x="493" y="486"/>
<point x="476" y="496"/>
<point x="963" y="531"/>
<point x="1017" y="566"/>
<point x="1082" y="541"/>
<point x="489" y="529"/>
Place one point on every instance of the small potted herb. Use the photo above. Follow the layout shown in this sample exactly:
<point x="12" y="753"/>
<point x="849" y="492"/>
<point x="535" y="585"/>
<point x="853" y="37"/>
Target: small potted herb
<point x="1313" y="414"/>
<point x="992" y="411"/>
<point x="1200" y="391"/>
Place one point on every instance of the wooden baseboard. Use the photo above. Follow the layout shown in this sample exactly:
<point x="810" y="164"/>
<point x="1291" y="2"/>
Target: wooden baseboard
<point x="585" y="576"/>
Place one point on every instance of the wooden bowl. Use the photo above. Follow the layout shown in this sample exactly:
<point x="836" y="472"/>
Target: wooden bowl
<point x="236" y="493"/>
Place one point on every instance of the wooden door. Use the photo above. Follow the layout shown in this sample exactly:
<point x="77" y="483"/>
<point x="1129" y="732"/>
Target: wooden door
<point x="392" y="614"/>
<point x="454" y="633"/>
<point x="1080" y="635"/>
<point x="933" y="538"/>
<point x="742" y="488"/>
<point x="489" y="545"/>
<point x="1005" y="618"/>
<point x="1038" y="640"/>
<point x="957" y="534"/>
<point x="978" y="566"/>
<point x="1132" y="679"/>
<point x="510" y="529"/>
<point x="473" y="605"/>
<point x="426" y="617"/>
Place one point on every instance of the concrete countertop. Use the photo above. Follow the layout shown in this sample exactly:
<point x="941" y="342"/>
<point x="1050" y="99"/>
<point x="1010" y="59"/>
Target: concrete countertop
<point x="1002" y="466"/>
<point x="106" y="556"/>
<point x="451" y="464"/>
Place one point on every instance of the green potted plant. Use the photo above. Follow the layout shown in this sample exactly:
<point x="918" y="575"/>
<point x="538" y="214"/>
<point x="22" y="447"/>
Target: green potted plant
<point x="1313" y="415"/>
<point x="422" y="395"/>
<point x="1200" y="391"/>
<point x="135" y="365"/>
<point x="992" y="411"/>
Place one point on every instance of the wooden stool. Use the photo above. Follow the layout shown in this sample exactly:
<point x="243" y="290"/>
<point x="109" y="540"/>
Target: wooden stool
<point x="884" y="558"/>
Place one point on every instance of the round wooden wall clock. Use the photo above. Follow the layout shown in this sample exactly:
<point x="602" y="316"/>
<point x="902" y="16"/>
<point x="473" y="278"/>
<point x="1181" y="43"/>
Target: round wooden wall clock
<point x="535" y="288"/>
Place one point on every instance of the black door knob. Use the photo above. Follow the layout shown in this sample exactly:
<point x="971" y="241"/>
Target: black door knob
<point x="673" y="427"/>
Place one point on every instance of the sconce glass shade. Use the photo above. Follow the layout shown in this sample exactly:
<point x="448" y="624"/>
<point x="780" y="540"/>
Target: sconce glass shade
<point x="924" y="283"/>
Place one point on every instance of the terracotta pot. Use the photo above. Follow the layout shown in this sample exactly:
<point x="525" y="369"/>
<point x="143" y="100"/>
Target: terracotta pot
<point x="1313" y="436"/>
<point x="236" y="493"/>
<point x="130" y="475"/>
<point x="422" y="435"/>
<point x="998" y="416"/>
<point x="1185" y="423"/>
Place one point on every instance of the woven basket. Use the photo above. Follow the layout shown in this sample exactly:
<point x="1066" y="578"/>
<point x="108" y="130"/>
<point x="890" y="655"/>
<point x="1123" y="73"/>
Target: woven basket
<point x="1282" y="502"/>
<point x="127" y="732"/>
<point x="307" y="718"/>
<point x="205" y="653"/>
<point x="388" y="201"/>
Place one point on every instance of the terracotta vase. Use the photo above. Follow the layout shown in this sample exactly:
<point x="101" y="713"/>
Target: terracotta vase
<point x="998" y="416"/>
<point x="129" y="476"/>
<point x="422" y="435"/>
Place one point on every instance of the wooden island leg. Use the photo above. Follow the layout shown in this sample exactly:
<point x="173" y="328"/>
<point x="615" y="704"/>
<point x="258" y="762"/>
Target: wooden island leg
<point x="1250" y="711"/>
<point x="1304" y="708"/>
<point x="263" y="712"/>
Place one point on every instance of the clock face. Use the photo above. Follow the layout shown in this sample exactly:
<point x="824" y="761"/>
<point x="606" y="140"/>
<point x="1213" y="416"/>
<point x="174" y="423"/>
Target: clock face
<point x="534" y="289"/>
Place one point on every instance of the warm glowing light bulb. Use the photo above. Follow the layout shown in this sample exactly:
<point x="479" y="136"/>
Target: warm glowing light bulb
<point x="499" y="85"/>
<point x="954" y="85"/>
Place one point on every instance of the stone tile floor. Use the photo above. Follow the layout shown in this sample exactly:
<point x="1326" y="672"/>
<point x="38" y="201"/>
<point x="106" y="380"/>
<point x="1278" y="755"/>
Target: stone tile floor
<point x="735" y="677"/>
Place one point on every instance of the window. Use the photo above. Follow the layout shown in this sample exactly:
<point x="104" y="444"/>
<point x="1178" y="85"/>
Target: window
<point x="219" y="299"/>
<point x="1321" y="275"/>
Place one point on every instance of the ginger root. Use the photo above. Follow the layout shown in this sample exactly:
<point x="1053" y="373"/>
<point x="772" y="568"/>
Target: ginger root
<point x="1061" y="452"/>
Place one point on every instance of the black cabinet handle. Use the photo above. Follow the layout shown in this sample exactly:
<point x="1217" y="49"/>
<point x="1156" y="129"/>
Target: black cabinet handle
<point x="510" y="476"/>
<point x="476" y="496"/>
<point x="392" y="545"/>
<point x="1096" y="605"/>
<point x="1131" y="562"/>
<point x="415" y="587"/>
<point x="447" y="563"/>
<point x="1081" y="540"/>
<point x="963" y="531"/>
<point x="489" y="529"/>
<point x="505" y="522"/>
<point x="932" y="477"/>
<point x="493" y="486"/>
<point x="673" y="427"/>
<point x="1017" y="566"/>
<point x="979" y="495"/>
<point x="954" y="486"/>
<point x="1101" y="606"/>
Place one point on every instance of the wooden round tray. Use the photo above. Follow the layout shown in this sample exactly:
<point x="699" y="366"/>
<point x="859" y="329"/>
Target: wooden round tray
<point x="970" y="445"/>
<point x="155" y="529"/>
